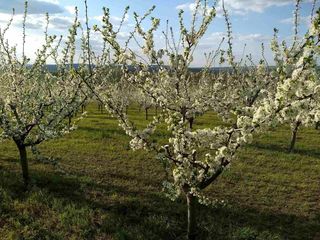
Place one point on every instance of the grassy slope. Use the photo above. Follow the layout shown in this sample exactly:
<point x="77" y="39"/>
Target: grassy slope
<point x="110" y="192"/>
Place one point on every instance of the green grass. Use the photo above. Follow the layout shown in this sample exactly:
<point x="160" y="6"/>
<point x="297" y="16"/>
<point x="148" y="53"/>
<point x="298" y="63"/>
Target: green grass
<point x="107" y="191"/>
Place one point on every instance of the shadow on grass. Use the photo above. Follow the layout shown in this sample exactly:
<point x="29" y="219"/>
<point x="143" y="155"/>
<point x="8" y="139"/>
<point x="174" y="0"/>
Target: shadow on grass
<point x="284" y="149"/>
<point x="100" y="116"/>
<point x="105" y="131"/>
<point x="10" y="159"/>
<point x="146" y="214"/>
<point x="131" y="210"/>
<point x="283" y="226"/>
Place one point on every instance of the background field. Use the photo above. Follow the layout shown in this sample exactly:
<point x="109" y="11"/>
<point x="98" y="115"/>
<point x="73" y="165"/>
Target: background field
<point x="108" y="191"/>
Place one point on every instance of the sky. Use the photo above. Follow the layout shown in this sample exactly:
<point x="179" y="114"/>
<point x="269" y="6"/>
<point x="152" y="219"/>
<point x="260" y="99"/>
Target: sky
<point x="252" y="21"/>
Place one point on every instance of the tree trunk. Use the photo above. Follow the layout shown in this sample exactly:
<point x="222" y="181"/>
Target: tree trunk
<point x="156" y="110"/>
<point x="317" y="125"/>
<point x="294" y="136"/>
<point x="147" y="114"/>
<point x="24" y="162"/>
<point x="192" y="225"/>
<point x="69" y="120"/>
<point x="127" y="110"/>
<point x="191" y="120"/>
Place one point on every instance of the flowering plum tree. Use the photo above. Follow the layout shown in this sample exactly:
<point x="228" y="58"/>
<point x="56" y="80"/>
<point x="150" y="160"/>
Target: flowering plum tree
<point x="254" y="86"/>
<point x="144" y="102"/>
<point x="35" y="103"/>
<point x="196" y="158"/>
<point x="297" y="92"/>
<point x="287" y="58"/>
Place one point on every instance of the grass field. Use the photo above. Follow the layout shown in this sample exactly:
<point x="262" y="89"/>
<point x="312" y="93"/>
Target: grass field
<point x="107" y="191"/>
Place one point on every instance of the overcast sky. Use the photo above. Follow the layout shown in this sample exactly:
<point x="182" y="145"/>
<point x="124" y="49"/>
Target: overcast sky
<point x="252" y="21"/>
